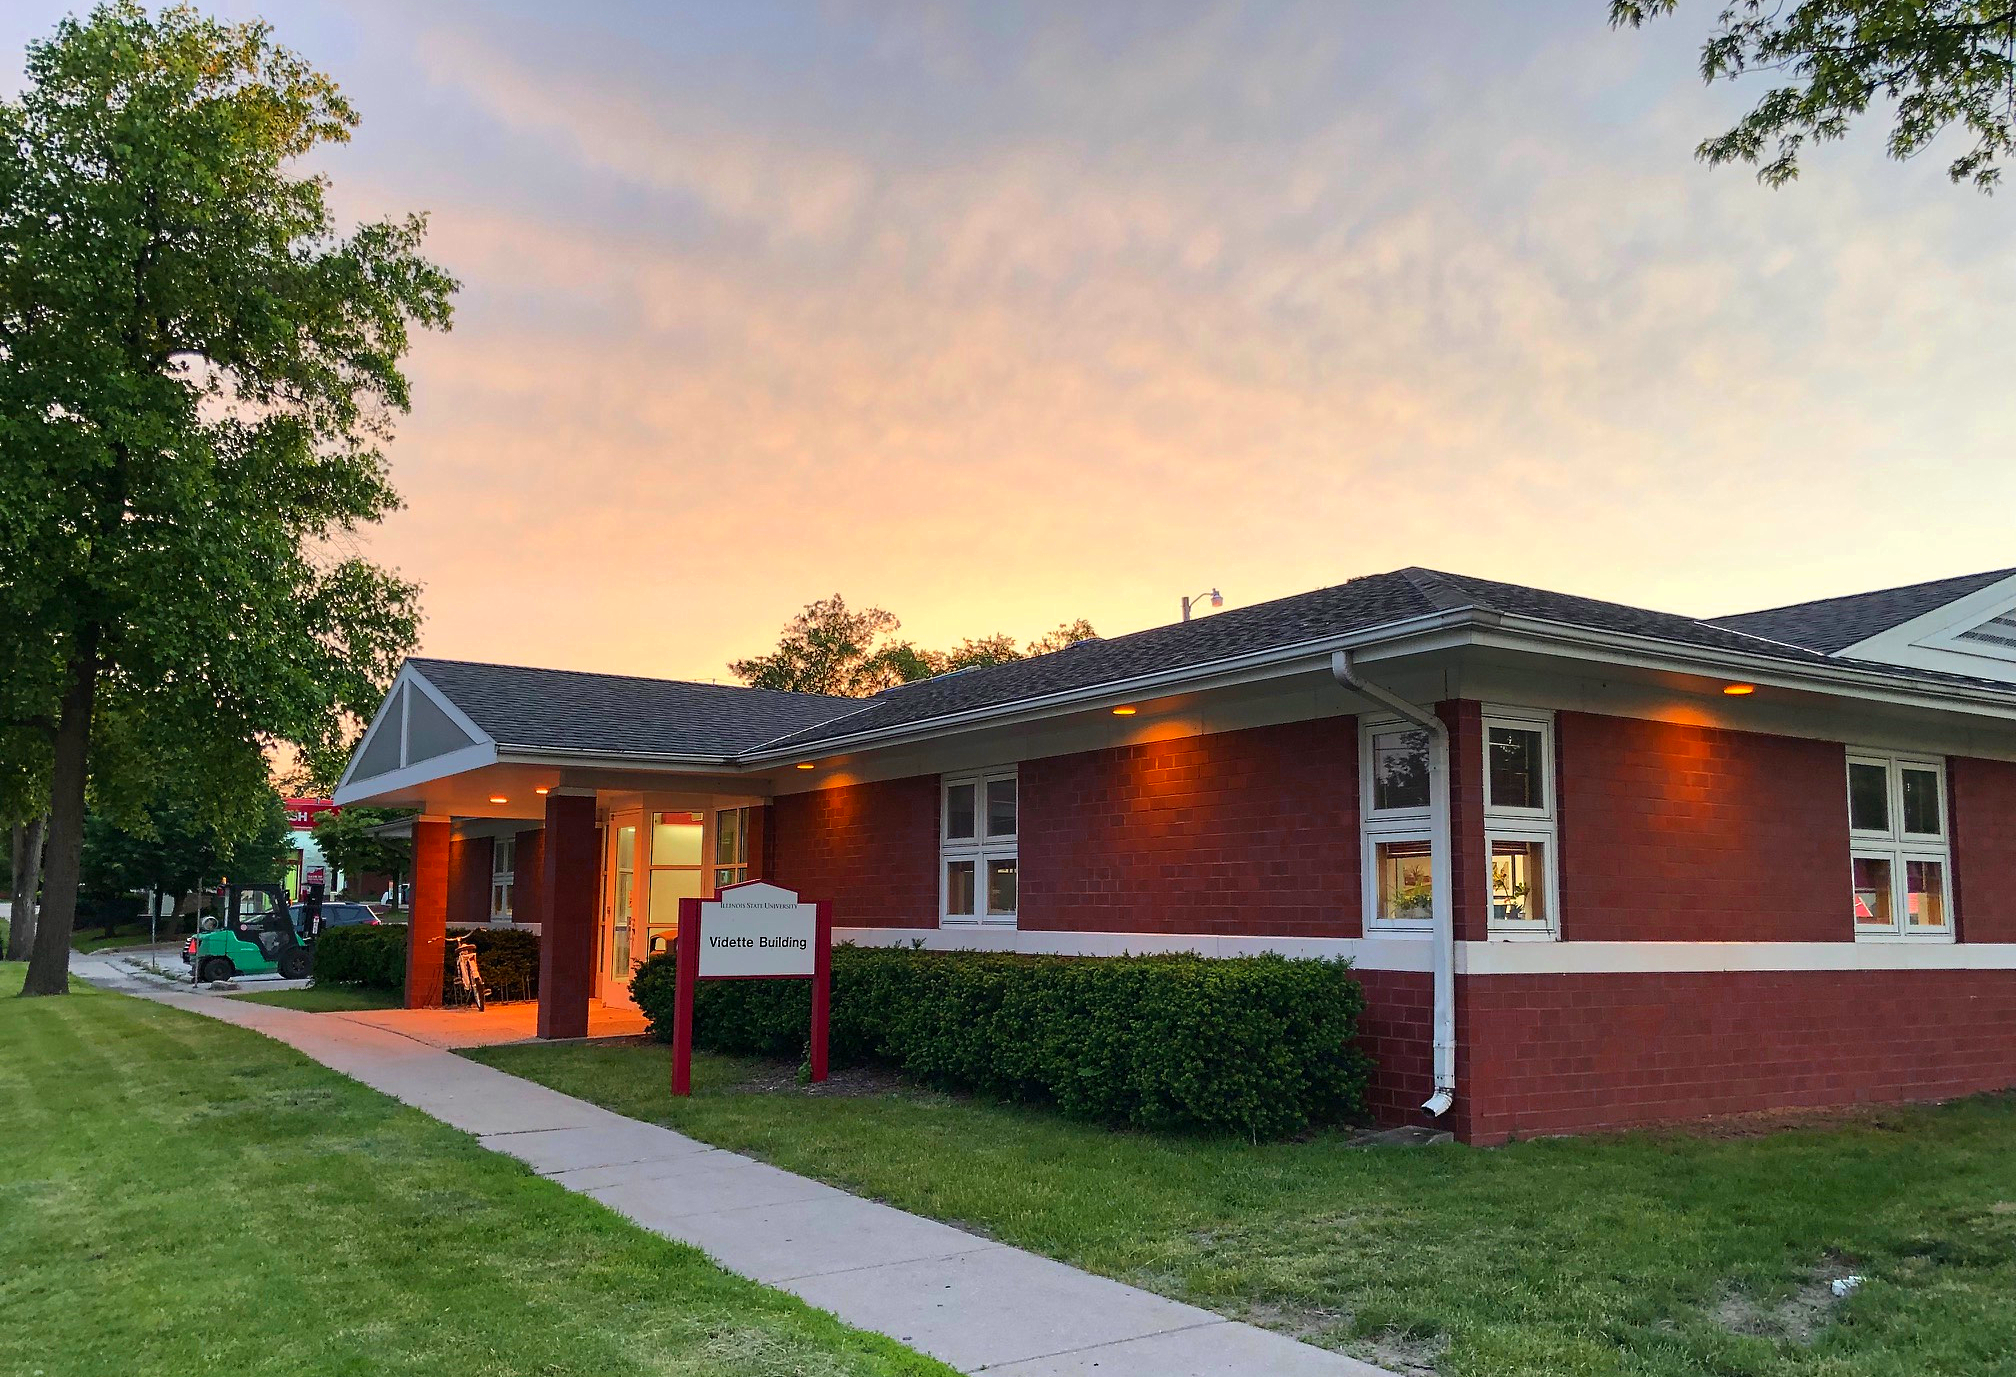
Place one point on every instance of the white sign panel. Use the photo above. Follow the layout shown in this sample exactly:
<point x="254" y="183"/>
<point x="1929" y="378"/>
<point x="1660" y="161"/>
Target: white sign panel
<point x="757" y="929"/>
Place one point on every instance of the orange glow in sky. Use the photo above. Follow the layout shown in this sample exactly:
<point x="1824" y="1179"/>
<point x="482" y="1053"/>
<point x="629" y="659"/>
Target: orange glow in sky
<point x="1001" y="317"/>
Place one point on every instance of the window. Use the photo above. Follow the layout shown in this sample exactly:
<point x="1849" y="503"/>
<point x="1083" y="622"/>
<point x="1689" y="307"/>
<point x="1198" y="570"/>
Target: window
<point x="1399" y="880"/>
<point x="731" y="847"/>
<point x="977" y="849"/>
<point x="503" y="876"/>
<point x="1519" y="822"/>
<point x="1898" y="867"/>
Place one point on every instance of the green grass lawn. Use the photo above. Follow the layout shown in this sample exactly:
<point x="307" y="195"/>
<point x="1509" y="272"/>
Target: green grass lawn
<point x="326" y="999"/>
<point x="1643" y="1254"/>
<point x="179" y="1196"/>
<point x="126" y="935"/>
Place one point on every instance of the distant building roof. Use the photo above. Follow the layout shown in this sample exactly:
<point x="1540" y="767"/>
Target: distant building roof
<point x="1833" y="624"/>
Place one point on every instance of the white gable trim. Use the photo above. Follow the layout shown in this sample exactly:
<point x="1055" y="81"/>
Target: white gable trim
<point x="480" y="752"/>
<point x="1931" y="640"/>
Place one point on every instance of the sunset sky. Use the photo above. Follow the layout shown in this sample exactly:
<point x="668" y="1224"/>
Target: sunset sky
<point x="997" y="316"/>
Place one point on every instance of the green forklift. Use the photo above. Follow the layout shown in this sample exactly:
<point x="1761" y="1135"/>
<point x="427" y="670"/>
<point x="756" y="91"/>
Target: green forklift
<point x="252" y="934"/>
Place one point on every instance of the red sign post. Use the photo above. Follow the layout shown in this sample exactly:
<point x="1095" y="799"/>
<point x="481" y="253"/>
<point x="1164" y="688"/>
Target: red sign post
<point x="754" y="931"/>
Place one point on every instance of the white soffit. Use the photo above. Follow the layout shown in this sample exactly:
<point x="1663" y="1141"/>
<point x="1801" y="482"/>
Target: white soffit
<point x="1959" y="637"/>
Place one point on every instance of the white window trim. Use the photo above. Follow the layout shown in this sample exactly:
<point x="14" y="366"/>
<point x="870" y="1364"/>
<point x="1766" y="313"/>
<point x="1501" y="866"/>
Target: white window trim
<point x="1523" y="824"/>
<point x="1899" y="847"/>
<point x="980" y="849"/>
<point x="1384" y="825"/>
<point x="503" y="876"/>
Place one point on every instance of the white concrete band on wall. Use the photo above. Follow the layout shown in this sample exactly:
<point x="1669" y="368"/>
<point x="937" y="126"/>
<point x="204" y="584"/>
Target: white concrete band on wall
<point x="1472" y="958"/>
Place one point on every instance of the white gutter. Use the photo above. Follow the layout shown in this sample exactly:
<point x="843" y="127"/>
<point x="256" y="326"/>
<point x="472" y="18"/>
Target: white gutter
<point x="1441" y="871"/>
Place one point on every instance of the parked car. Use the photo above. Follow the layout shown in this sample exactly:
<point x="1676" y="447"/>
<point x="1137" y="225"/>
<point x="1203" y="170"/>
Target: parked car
<point x="334" y="915"/>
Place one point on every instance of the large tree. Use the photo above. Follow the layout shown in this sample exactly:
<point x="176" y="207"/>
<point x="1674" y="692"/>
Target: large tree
<point x="832" y="648"/>
<point x="197" y="377"/>
<point x="1940" y="65"/>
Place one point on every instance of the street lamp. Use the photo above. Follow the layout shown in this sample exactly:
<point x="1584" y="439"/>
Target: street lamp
<point x="1217" y="600"/>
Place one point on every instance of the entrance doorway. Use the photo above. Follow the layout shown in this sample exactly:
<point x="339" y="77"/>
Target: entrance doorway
<point x="653" y="859"/>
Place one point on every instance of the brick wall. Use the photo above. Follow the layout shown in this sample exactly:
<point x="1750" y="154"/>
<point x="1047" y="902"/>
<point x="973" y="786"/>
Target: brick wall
<point x="870" y="848"/>
<point x="1397" y="1032"/>
<point x="1252" y="831"/>
<point x="469" y="880"/>
<point x="1696" y="834"/>
<point x="1983" y="795"/>
<point x="1568" y="1053"/>
<point x="527" y="894"/>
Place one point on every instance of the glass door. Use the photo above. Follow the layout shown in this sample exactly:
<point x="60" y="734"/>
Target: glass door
<point x="676" y="851"/>
<point x="619" y="896"/>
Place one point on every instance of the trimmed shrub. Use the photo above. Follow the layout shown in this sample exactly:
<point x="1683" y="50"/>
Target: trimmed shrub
<point x="1259" y="1046"/>
<point x="375" y="955"/>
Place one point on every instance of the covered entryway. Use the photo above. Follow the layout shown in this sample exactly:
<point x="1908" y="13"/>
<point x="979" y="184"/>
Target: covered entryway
<point x="622" y="796"/>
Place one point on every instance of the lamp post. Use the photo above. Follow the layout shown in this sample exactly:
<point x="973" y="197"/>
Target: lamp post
<point x="1217" y="600"/>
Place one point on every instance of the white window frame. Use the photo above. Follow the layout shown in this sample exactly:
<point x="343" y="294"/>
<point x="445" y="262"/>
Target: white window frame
<point x="1376" y="825"/>
<point x="503" y="877"/>
<point x="981" y="848"/>
<point x="1520" y="824"/>
<point x="1899" y="847"/>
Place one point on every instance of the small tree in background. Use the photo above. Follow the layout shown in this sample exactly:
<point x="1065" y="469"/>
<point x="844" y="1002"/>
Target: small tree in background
<point x="831" y="648"/>
<point x="1939" y="64"/>
<point x="197" y="378"/>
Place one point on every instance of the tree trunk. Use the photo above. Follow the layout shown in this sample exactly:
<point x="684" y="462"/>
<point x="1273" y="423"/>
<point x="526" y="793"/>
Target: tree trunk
<point x="27" y="880"/>
<point x="49" y="963"/>
<point x="16" y="949"/>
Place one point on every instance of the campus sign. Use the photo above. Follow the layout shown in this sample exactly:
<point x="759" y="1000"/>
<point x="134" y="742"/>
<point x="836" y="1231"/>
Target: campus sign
<point x="754" y="931"/>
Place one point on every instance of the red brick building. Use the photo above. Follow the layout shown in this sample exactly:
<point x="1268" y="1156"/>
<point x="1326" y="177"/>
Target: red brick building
<point x="1596" y="865"/>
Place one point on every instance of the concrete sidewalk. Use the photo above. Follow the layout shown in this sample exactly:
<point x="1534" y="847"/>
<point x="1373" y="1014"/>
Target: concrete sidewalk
<point x="976" y="1305"/>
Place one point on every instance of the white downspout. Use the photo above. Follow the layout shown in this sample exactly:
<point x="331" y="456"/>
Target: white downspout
<point x="1440" y="869"/>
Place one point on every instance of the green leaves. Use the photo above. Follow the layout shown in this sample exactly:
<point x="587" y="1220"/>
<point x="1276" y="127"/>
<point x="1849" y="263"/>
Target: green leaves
<point x="1940" y="64"/>
<point x="197" y="376"/>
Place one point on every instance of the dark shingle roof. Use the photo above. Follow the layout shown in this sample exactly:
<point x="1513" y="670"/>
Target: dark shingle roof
<point x="559" y="709"/>
<point x="617" y="715"/>
<point x="1373" y="601"/>
<point x="1362" y="604"/>
<point x="1834" y="624"/>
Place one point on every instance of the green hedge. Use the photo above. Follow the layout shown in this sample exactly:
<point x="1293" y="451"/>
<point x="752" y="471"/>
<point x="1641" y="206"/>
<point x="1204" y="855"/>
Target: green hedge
<point x="375" y="955"/>
<point x="1258" y="1046"/>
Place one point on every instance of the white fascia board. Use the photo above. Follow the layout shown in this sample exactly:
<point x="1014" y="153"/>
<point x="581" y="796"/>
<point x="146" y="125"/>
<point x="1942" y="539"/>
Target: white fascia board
<point x="1416" y="635"/>
<point x="434" y="767"/>
<point x="1645" y="652"/>
<point x="1930" y="639"/>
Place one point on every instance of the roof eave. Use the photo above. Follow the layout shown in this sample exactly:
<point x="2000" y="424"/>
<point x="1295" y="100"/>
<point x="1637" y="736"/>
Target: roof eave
<point x="1649" y="652"/>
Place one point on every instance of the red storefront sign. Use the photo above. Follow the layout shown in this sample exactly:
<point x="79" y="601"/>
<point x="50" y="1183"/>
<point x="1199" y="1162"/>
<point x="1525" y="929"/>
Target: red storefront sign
<point x="754" y="931"/>
<point x="302" y="813"/>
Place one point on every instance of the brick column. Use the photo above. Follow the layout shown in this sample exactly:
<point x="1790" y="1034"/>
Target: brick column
<point x="568" y="915"/>
<point x="427" y="915"/>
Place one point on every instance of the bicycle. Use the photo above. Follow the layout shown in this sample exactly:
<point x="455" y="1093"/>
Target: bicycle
<point x="467" y="972"/>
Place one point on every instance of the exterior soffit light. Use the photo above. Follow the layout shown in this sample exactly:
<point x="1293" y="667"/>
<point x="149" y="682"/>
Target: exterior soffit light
<point x="806" y="765"/>
<point x="1739" y="690"/>
<point x="499" y="798"/>
<point x="542" y="789"/>
<point x="1125" y="710"/>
